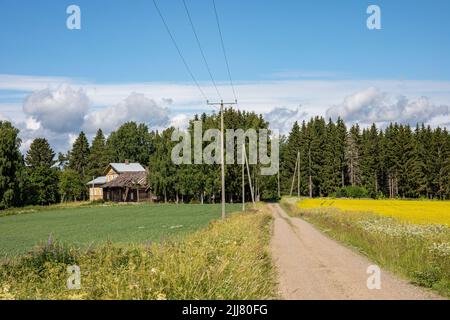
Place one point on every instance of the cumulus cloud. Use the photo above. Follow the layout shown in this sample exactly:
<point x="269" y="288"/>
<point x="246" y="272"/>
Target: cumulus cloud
<point x="57" y="141"/>
<point x="373" y="105"/>
<point x="180" y="121"/>
<point x="282" y="119"/>
<point x="60" y="110"/>
<point x="32" y="124"/>
<point x="3" y="118"/>
<point x="136" y="107"/>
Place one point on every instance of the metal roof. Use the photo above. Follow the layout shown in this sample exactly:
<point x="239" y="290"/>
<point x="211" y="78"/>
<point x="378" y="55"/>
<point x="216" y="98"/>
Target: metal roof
<point x="98" y="180"/>
<point x="130" y="167"/>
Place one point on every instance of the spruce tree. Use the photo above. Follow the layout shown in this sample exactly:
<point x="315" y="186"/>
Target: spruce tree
<point x="42" y="188"/>
<point x="353" y="155"/>
<point x="11" y="166"/>
<point x="79" y="156"/>
<point x="98" y="158"/>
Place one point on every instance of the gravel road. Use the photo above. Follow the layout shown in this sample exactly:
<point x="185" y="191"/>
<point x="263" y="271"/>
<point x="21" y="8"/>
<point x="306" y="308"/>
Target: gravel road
<point x="312" y="266"/>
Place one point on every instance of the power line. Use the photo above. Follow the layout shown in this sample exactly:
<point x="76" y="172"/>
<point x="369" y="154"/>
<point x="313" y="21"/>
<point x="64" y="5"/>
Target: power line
<point x="223" y="49"/>
<point x="200" y="48"/>
<point x="179" y="51"/>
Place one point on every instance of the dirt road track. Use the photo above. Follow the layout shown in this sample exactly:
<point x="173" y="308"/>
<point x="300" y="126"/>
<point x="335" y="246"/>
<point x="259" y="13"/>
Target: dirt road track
<point x="312" y="266"/>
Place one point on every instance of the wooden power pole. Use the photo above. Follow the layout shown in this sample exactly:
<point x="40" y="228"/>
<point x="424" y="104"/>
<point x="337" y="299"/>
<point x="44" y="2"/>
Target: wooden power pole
<point x="278" y="184"/>
<point x="295" y="171"/>
<point x="243" y="176"/>
<point x="298" y="173"/>
<point x="249" y="178"/>
<point x="222" y="150"/>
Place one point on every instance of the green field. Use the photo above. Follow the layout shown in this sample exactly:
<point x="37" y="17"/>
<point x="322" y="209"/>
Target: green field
<point x="93" y="225"/>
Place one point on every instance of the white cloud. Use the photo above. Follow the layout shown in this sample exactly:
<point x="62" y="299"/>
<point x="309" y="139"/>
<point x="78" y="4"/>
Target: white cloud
<point x="282" y="119"/>
<point x="136" y="107"/>
<point x="32" y="124"/>
<point x="373" y="105"/>
<point x="180" y="121"/>
<point x="29" y="83"/>
<point x="71" y="138"/>
<point x="60" y="110"/>
<point x="57" y="141"/>
<point x="2" y="117"/>
<point x="315" y="95"/>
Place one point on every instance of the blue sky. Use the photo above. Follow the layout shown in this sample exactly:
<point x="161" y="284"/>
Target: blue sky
<point x="125" y="41"/>
<point x="317" y="54"/>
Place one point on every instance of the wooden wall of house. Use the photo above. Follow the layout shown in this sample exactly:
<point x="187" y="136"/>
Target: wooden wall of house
<point x="118" y="195"/>
<point x="111" y="175"/>
<point x="95" y="193"/>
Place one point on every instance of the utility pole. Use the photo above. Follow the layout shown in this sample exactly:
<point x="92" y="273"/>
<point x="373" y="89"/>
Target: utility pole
<point x="310" y="177"/>
<point x="243" y="176"/>
<point x="222" y="151"/>
<point x="293" y="176"/>
<point x="249" y="179"/>
<point x="298" y="172"/>
<point x="278" y="183"/>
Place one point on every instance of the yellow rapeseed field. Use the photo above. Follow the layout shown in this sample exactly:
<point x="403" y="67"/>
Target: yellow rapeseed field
<point x="421" y="212"/>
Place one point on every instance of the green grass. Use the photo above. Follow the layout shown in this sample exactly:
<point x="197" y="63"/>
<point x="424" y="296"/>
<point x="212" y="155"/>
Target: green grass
<point x="420" y="253"/>
<point x="92" y="225"/>
<point x="226" y="260"/>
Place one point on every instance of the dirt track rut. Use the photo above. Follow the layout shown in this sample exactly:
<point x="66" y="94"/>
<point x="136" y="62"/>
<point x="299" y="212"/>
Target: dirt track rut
<point x="312" y="266"/>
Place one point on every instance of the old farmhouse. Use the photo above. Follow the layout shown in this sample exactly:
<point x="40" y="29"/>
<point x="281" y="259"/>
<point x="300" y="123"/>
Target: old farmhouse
<point x="122" y="182"/>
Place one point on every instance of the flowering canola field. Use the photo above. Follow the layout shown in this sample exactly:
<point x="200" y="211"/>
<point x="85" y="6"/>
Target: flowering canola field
<point x="420" y="212"/>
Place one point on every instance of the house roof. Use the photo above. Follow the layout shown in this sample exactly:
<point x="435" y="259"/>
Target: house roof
<point x="127" y="167"/>
<point x="98" y="180"/>
<point x="128" y="179"/>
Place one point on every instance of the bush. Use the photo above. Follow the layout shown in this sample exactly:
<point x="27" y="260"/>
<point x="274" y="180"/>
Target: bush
<point x="98" y="201"/>
<point x="51" y="252"/>
<point x="352" y="192"/>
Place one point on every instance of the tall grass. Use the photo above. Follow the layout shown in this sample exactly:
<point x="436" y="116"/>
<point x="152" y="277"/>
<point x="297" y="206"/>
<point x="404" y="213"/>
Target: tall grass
<point x="420" y="253"/>
<point x="227" y="260"/>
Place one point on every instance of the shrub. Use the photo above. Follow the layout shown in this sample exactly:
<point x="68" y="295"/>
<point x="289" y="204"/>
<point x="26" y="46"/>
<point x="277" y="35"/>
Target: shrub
<point x="96" y="202"/>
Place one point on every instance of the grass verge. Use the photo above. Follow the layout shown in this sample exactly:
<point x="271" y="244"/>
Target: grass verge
<point x="227" y="260"/>
<point x="421" y="253"/>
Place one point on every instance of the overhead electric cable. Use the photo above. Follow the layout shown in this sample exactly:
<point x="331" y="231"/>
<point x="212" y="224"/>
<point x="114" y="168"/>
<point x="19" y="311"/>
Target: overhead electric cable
<point x="200" y="48"/>
<point x="223" y="49"/>
<point x="179" y="51"/>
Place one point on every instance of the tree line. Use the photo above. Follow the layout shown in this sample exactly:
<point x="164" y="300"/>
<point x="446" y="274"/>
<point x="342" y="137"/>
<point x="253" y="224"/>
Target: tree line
<point x="40" y="177"/>
<point x="397" y="161"/>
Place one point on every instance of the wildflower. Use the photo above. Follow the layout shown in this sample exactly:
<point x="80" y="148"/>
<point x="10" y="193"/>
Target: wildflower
<point x="161" y="296"/>
<point x="440" y="249"/>
<point x="5" y="294"/>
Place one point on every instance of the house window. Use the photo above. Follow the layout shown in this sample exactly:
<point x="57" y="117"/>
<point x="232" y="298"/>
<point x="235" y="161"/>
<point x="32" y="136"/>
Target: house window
<point x="132" y="196"/>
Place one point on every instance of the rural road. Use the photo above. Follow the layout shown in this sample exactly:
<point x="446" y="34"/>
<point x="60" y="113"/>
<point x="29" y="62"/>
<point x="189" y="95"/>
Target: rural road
<point x="312" y="266"/>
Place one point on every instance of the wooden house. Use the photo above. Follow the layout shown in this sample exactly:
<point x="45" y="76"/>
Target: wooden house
<point x="123" y="182"/>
